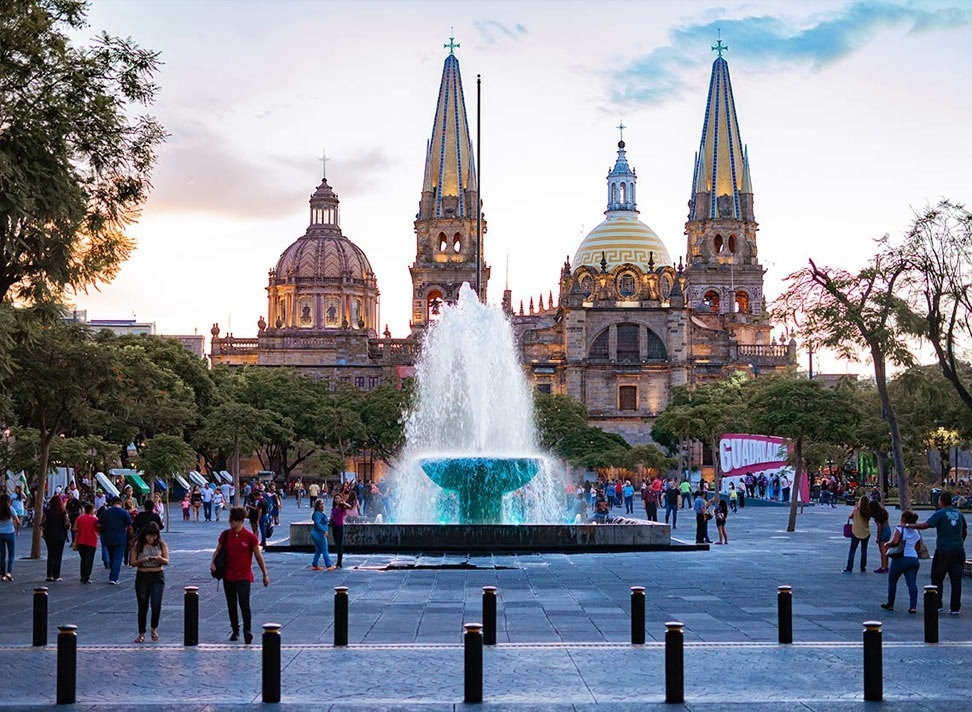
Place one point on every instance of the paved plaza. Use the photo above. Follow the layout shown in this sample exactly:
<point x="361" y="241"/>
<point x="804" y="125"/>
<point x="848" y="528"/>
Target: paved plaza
<point x="563" y="629"/>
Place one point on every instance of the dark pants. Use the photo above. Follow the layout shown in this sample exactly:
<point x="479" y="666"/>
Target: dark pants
<point x="651" y="511"/>
<point x="701" y="529"/>
<point x="671" y="509"/>
<point x="55" y="552"/>
<point x="87" y="561"/>
<point x="116" y="557"/>
<point x="948" y="563"/>
<point x="238" y="594"/>
<point x="853" y="550"/>
<point x="906" y="566"/>
<point x="337" y="533"/>
<point x="208" y="510"/>
<point x="149" y="586"/>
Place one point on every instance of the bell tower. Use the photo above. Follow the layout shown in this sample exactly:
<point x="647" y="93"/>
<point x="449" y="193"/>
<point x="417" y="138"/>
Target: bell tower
<point x="447" y="238"/>
<point x="723" y="273"/>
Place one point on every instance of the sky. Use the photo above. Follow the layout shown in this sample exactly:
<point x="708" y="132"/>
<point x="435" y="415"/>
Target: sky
<point x="855" y="114"/>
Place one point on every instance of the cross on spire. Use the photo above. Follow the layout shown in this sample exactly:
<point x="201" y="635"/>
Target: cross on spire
<point x="718" y="46"/>
<point x="452" y="45"/>
<point x="621" y="127"/>
<point x="323" y="159"/>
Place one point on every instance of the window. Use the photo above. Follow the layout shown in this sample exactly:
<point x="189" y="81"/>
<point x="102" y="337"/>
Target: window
<point x="373" y="382"/>
<point x="599" y="349"/>
<point x="711" y="301"/>
<point x="718" y="244"/>
<point x="457" y="243"/>
<point x="587" y="285"/>
<point x="544" y="388"/>
<point x="627" y="397"/>
<point x="628" y="343"/>
<point x="656" y="347"/>
<point x="626" y="285"/>
<point x="732" y="243"/>
<point x="742" y="302"/>
<point x="624" y="193"/>
<point x="433" y="305"/>
<point x="614" y="193"/>
<point x="443" y="243"/>
<point x="359" y="382"/>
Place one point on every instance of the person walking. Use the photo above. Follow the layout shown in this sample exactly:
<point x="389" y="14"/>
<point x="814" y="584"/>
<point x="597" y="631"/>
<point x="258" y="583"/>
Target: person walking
<point x="733" y="497"/>
<point x="721" y="514"/>
<point x="149" y="555"/>
<point x="860" y="520"/>
<point x="672" y="496"/>
<point x="86" y="539"/>
<point x="649" y="498"/>
<point x="116" y="527"/>
<point x="882" y="524"/>
<point x="9" y="528"/>
<point x="338" y="512"/>
<point x="241" y="548"/>
<point x="949" y="556"/>
<point x="319" y="537"/>
<point x="55" y="525"/>
<point x="686" y="489"/>
<point x="627" y="491"/>
<point x="904" y="562"/>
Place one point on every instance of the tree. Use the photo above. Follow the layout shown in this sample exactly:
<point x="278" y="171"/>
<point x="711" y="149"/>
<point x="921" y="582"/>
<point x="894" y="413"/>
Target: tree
<point x="75" y="157"/>
<point x="383" y="414"/>
<point x="684" y="423"/>
<point x="803" y="411"/>
<point x="850" y="312"/>
<point x="164" y="456"/>
<point x="938" y="254"/>
<point x="557" y="416"/>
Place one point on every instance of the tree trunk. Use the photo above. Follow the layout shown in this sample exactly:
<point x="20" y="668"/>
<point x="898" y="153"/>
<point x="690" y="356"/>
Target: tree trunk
<point x="798" y="476"/>
<point x="897" y="450"/>
<point x="237" y="492"/>
<point x="43" y="458"/>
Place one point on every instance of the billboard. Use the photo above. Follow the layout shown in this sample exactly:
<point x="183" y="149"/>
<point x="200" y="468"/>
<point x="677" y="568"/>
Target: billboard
<point x="741" y="453"/>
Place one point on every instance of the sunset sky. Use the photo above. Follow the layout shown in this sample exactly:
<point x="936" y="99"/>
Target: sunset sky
<point x="855" y="114"/>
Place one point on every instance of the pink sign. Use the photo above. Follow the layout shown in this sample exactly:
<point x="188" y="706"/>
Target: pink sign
<point x="740" y="453"/>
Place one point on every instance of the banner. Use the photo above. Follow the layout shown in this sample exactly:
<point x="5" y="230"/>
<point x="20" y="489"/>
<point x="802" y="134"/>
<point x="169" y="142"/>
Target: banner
<point x="740" y="453"/>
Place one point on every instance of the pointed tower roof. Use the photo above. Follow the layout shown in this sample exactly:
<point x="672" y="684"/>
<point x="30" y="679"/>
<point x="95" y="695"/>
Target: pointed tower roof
<point x="721" y="165"/>
<point x="449" y="164"/>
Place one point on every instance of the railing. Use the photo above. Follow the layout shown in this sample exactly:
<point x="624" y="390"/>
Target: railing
<point x="232" y="344"/>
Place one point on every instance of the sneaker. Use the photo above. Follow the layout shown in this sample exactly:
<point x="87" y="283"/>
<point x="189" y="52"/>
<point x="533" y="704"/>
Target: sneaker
<point x="887" y="606"/>
<point x="331" y="568"/>
<point x="953" y="613"/>
<point x="113" y="583"/>
<point x="317" y="568"/>
<point x="247" y="637"/>
<point x="912" y="611"/>
<point x="234" y="636"/>
<point x="848" y="571"/>
<point x="58" y="579"/>
<point x="880" y="571"/>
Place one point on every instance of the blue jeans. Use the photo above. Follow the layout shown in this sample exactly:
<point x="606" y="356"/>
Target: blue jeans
<point x="907" y="565"/>
<point x="208" y="510"/>
<point x="116" y="556"/>
<point x="6" y="554"/>
<point x="853" y="550"/>
<point x="320" y="548"/>
<point x="671" y="509"/>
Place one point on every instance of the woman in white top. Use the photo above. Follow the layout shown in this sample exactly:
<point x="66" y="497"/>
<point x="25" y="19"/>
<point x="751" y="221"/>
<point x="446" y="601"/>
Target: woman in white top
<point x="905" y="563"/>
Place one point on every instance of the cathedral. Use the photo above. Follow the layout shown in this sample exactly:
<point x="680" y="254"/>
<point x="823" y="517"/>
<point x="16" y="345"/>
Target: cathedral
<point x="626" y="324"/>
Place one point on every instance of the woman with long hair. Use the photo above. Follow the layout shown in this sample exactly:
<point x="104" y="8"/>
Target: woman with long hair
<point x="149" y="554"/>
<point x="55" y="525"/>
<point x="904" y="562"/>
<point x="860" y="520"/>
<point x="338" y="511"/>
<point x="9" y="527"/>
<point x="319" y="537"/>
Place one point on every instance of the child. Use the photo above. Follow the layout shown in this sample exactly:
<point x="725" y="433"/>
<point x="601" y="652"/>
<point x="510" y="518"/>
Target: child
<point x="185" y="508"/>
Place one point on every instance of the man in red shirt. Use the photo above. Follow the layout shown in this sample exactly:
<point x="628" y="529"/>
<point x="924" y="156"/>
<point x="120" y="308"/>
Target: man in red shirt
<point x="86" y="540"/>
<point x="241" y="546"/>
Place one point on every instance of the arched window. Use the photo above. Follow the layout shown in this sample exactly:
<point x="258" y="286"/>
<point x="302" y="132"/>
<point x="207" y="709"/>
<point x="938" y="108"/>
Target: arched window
<point x="624" y="193"/>
<point x="742" y="302"/>
<point x="732" y="244"/>
<point x="614" y="193"/>
<point x="457" y="243"/>
<point x="443" y="242"/>
<point x="628" y="343"/>
<point x="711" y="301"/>
<point x="600" y="349"/>
<point x="718" y="244"/>
<point x="434" y="304"/>
<point x="656" y="347"/>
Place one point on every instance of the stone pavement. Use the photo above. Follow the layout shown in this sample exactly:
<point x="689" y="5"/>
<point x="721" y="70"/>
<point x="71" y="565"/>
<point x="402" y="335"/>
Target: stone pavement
<point x="563" y="628"/>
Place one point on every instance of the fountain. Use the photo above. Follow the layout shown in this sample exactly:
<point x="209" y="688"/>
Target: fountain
<point x="472" y="477"/>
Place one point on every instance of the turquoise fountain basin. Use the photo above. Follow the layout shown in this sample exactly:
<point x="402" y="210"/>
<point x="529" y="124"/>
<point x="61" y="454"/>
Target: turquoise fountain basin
<point x="480" y="482"/>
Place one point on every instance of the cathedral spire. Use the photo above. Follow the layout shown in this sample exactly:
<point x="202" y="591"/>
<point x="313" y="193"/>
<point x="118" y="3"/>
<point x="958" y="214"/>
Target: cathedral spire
<point x="721" y="185"/>
<point x="621" y="182"/>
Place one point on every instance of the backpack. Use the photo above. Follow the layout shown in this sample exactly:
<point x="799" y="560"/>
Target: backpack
<point x="218" y="571"/>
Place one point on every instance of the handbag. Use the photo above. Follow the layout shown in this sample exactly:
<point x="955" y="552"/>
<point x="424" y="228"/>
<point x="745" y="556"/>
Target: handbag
<point x="922" y="549"/>
<point x="848" y="530"/>
<point x="897" y="551"/>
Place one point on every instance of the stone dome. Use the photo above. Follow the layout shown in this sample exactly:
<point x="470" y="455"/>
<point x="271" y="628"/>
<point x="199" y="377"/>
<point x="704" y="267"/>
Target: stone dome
<point x="622" y="239"/>
<point x="323" y="257"/>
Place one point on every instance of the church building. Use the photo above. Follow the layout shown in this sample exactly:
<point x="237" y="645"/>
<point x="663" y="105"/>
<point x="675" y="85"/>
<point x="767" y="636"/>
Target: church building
<point x="626" y="325"/>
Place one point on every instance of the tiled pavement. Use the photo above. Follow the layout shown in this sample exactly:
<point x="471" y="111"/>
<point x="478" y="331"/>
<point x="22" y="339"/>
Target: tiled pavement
<point x="563" y="628"/>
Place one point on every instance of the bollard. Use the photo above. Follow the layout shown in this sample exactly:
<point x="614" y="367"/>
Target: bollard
<point x="784" y="615"/>
<point x="190" y="616"/>
<point x="489" y="615"/>
<point x="674" y="663"/>
<point x="930" y="602"/>
<point x="637" y="615"/>
<point x="67" y="664"/>
<point x="873" y="667"/>
<point x="271" y="663"/>
<point x="340" y="616"/>
<point x="40" y="615"/>
<point x="472" y="641"/>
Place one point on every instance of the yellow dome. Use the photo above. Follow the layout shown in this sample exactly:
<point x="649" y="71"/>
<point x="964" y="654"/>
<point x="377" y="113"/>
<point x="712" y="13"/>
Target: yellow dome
<point x="621" y="238"/>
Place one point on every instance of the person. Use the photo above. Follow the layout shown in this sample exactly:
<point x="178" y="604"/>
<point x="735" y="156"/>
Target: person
<point x="207" y="502"/>
<point x="649" y="498"/>
<point x="949" y="549"/>
<point x="702" y="515"/>
<point x="672" y="495"/>
<point x="313" y="491"/>
<point x="686" y="490"/>
<point x="338" y="511"/>
<point x="116" y="527"/>
<point x="733" y="498"/>
<point x="319" y="537"/>
<point x="146" y="516"/>
<point x="627" y="491"/>
<point x="905" y="564"/>
<point x="159" y="509"/>
<point x="56" y="525"/>
<point x="860" y="534"/>
<point x="219" y="502"/>
<point x="100" y="500"/>
<point x="186" y="503"/>
<point x="241" y="548"/>
<point x="299" y="492"/>
<point x="86" y="539"/>
<point x="149" y="554"/>
<point x="721" y="514"/>
<point x="18" y="501"/>
<point x="196" y="502"/>
<point x="785" y="486"/>
<point x="883" y="527"/>
<point x="9" y="528"/>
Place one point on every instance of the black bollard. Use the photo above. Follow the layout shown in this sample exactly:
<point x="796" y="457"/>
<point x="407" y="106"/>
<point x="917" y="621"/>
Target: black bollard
<point x="489" y="615"/>
<point x="784" y="615"/>
<point x="637" y="615"/>
<point x="40" y="615"/>
<point x="930" y="602"/>
<point x="340" y="616"/>
<point x="190" y="616"/>
<point x="67" y="664"/>
<point x="873" y="666"/>
<point x="472" y="641"/>
<point x="271" y="663"/>
<point x="674" y="663"/>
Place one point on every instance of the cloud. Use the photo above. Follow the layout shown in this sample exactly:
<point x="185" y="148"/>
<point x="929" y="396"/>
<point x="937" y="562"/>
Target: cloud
<point x="349" y="175"/>
<point x="493" y="32"/>
<point x="766" y="41"/>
